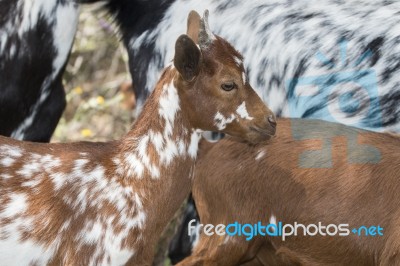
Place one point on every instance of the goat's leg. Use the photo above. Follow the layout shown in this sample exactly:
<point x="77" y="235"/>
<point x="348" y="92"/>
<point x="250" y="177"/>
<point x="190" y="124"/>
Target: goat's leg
<point x="267" y="256"/>
<point x="220" y="251"/>
<point x="47" y="116"/>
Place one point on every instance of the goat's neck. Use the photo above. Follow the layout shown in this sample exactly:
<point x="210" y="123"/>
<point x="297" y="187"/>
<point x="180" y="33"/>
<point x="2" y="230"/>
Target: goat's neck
<point x="161" y="148"/>
<point x="162" y="135"/>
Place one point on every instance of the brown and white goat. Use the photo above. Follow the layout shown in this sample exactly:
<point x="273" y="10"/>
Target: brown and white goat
<point x="107" y="203"/>
<point x="313" y="171"/>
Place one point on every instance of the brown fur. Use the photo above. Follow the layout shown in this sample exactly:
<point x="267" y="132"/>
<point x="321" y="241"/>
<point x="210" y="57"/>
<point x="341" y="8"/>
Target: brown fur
<point x="231" y="185"/>
<point x="59" y="215"/>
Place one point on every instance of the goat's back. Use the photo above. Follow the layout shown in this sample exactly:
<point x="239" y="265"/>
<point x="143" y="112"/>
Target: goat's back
<point x="357" y="184"/>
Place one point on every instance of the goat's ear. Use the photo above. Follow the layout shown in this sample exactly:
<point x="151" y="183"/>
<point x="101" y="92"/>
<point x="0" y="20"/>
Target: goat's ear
<point x="193" y="26"/>
<point x="187" y="57"/>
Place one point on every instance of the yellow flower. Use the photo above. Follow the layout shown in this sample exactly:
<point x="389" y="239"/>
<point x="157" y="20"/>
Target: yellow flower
<point x="78" y="90"/>
<point x="86" y="133"/>
<point x="100" y="100"/>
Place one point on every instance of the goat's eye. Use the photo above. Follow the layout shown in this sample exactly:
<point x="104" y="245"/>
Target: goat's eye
<point x="228" y="86"/>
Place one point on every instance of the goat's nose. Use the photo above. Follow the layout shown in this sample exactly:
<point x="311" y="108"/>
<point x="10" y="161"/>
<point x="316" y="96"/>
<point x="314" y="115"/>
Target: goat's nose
<point x="272" y="121"/>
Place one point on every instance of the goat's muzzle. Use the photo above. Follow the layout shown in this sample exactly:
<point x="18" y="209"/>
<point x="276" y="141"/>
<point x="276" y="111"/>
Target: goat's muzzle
<point x="260" y="132"/>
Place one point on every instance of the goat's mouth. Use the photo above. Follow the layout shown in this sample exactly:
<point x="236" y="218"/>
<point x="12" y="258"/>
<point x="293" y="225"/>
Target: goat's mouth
<point x="257" y="134"/>
<point x="267" y="132"/>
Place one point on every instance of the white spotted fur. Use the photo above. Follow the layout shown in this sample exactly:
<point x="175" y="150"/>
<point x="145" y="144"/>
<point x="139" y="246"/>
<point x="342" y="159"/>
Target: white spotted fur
<point x="221" y="121"/>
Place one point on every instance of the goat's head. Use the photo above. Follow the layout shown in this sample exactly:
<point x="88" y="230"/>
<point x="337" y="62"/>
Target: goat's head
<point x="213" y="86"/>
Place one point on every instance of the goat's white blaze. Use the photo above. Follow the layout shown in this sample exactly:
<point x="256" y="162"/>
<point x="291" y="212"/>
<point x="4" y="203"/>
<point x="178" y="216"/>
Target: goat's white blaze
<point x="221" y="121"/>
<point x="136" y="167"/>
<point x="244" y="78"/>
<point x="144" y="157"/>
<point x="169" y="152"/>
<point x="156" y="139"/>
<point x="181" y="147"/>
<point x="238" y="61"/>
<point x="242" y="112"/>
<point x="194" y="143"/>
<point x="260" y="155"/>
<point x="169" y="106"/>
